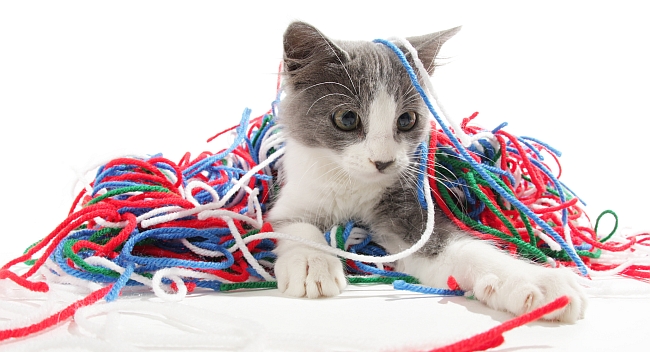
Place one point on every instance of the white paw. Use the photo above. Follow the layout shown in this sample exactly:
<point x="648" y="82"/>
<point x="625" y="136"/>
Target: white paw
<point x="520" y="291"/>
<point x="308" y="272"/>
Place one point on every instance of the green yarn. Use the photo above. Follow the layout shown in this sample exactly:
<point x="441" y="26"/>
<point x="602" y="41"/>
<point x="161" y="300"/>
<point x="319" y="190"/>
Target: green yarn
<point x="122" y="190"/>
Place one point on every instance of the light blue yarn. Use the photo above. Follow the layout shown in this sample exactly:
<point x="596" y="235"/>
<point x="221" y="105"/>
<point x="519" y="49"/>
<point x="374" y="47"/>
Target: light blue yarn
<point x="403" y="285"/>
<point x="241" y="136"/>
<point x="476" y="166"/>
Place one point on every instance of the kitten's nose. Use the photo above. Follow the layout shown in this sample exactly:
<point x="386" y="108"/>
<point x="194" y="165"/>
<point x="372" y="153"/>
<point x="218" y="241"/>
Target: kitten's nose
<point x="382" y="165"/>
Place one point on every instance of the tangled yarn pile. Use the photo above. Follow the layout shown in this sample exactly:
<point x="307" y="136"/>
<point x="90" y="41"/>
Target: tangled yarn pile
<point x="199" y="223"/>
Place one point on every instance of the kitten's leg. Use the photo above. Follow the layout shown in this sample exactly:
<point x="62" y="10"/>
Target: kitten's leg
<point x="304" y="271"/>
<point x="497" y="279"/>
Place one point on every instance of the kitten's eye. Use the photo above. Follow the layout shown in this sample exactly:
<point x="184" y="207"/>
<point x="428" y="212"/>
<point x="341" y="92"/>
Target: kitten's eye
<point x="406" y="121"/>
<point x="346" y="120"/>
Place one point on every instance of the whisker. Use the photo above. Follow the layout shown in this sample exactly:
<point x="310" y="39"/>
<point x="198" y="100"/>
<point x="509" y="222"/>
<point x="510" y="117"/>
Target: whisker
<point x="325" y="96"/>
<point x="341" y="62"/>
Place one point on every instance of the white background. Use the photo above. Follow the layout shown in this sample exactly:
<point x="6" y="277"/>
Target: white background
<point x="83" y="82"/>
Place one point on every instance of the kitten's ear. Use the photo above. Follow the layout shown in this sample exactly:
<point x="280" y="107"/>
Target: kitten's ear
<point x="429" y="45"/>
<point x="304" y="44"/>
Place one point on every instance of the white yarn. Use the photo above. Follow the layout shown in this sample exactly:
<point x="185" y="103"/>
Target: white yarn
<point x="428" y="231"/>
<point x="246" y="253"/>
<point x="204" y="186"/>
<point x="458" y="131"/>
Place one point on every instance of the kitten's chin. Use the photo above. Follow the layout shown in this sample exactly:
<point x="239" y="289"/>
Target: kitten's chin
<point x="374" y="177"/>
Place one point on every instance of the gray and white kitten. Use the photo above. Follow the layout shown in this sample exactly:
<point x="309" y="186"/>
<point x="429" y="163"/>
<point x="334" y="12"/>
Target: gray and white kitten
<point x="353" y="123"/>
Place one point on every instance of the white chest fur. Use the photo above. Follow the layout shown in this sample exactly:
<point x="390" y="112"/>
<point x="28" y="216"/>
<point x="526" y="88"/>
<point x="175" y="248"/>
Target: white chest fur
<point x="316" y="189"/>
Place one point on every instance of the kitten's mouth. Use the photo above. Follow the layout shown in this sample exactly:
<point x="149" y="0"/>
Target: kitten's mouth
<point x="376" y="175"/>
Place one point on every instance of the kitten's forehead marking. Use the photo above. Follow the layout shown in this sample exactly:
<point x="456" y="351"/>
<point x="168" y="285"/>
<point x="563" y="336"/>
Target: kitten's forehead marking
<point x="381" y="116"/>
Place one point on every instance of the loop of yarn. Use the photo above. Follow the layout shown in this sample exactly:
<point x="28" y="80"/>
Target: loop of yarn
<point x="199" y="223"/>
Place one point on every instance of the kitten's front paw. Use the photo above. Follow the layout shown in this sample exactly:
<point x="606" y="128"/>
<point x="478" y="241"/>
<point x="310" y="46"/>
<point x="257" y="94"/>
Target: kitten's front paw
<point x="522" y="291"/>
<point x="308" y="272"/>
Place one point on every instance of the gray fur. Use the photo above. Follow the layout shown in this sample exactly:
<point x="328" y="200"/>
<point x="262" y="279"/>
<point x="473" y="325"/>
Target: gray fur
<point x="322" y="76"/>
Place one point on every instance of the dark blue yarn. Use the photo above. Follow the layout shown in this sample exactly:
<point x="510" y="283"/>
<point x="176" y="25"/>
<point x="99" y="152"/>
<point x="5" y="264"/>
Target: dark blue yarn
<point x="476" y="211"/>
<point x="359" y="246"/>
<point x="255" y="148"/>
<point x="135" y="211"/>
<point x="210" y="284"/>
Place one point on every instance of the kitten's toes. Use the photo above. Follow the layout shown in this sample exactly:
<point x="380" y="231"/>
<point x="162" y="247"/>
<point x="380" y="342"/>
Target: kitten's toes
<point x="543" y="286"/>
<point x="563" y="283"/>
<point x="305" y="272"/>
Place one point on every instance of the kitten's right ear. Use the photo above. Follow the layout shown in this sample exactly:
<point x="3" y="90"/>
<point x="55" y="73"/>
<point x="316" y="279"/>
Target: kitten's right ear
<point x="429" y="45"/>
<point x="304" y="44"/>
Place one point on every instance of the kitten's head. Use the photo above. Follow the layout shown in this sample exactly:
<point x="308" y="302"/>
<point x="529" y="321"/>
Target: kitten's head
<point x="354" y="100"/>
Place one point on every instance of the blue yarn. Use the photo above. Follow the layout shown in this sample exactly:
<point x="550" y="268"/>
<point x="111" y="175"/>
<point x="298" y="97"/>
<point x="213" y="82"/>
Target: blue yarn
<point x="531" y="148"/>
<point x="120" y="283"/>
<point x="476" y="212"/>
<point x="368" y="269"/>
<point x="327" y="237"/>
<point x="359" y="246"/>
<point x="554" y="180"/>
<point x="488" y="151"/>
<point x="170" y="233"/>
<point x="423" y="151"/>
<point x="241" y="135"/>
<point x="111" y="171"/>
<point x="165" y="166"/>
<point x="469" y="197"/>
<point x="500" y="172"/>
<point x="584" y="247"/>
<point x="210" y="284"/>
<point x="403" y="285"/>
<point x="501" y="126"/>
<point x="566" y="188"/>
<point x="476" y="166"/>
<point x="557" y="185"/>
<point x="58" y="257"/>
<point x="255" y="149"/>
<point x="553" y="150"/>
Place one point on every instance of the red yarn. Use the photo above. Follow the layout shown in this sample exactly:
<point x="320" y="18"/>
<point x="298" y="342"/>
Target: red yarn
<point x="56" y="317"/>
<point x="494" y="337"/>
<point x="452" y="283"/>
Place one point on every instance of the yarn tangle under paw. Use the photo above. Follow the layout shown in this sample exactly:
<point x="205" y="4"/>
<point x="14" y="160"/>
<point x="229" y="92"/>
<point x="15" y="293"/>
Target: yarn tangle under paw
<point x="200" y="223"/>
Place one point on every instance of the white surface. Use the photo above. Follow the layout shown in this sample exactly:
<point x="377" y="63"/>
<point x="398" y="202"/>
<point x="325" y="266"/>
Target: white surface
<point x="83" y="82"/>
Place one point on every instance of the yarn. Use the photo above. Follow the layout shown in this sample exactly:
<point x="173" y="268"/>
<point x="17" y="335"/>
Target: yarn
<point x="180" y="227"/>
<point x="199" y="224"/>
<point x="494" y="337"/>
<point x="498" y="187"/>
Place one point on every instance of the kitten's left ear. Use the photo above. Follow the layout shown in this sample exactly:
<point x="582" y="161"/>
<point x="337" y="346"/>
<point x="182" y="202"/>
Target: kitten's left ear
<point x="428" y="46"/>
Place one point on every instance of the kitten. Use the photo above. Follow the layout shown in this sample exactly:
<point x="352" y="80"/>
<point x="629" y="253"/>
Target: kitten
<point x="353" y="123"/>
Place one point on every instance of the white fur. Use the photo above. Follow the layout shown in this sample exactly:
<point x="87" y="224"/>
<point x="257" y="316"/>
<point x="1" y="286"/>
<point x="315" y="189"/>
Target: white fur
<point x="497" y="279"/>
<point x="320" y="184"/>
